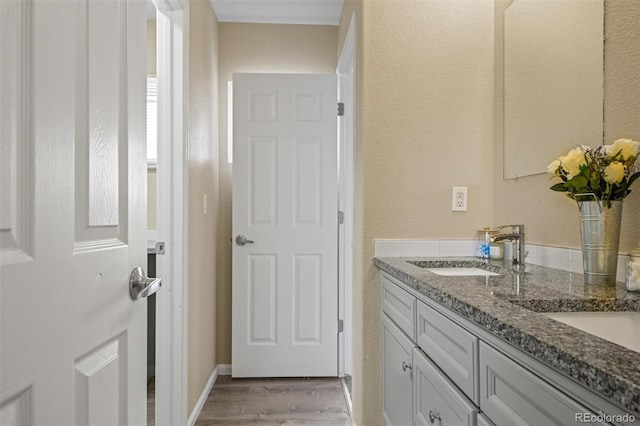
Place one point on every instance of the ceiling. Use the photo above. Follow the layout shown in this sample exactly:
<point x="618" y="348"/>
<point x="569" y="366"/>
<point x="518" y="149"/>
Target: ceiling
<point x="313" y="12"/>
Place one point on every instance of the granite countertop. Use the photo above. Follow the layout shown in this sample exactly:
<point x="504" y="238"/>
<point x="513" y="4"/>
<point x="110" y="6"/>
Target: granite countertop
<point x="509" y="307"/>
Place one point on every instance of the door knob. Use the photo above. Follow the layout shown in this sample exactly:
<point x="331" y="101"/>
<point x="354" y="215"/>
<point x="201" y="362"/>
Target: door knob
<point x="142" y="286"/>
<point x="242" y="240"/>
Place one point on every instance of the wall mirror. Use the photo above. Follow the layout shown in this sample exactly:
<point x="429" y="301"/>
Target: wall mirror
<point x="553" y="81"/>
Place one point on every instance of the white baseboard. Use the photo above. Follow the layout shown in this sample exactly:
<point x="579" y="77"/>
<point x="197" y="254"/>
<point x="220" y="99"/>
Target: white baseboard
<point x="203" y="397"/>
<point x="224" y="369"/>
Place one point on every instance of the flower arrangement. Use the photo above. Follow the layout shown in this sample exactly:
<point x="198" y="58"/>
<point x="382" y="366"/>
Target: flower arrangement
<point x="607" y="171"/>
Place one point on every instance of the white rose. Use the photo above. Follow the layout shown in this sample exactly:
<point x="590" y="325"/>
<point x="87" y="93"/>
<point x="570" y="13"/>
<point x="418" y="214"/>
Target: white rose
<point x="623" y="149"/>
<point x="572" y="161"/>
<point x="614" y="172"/>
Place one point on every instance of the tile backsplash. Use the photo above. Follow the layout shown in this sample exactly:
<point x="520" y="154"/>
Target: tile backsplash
<point x="552" y="257"/>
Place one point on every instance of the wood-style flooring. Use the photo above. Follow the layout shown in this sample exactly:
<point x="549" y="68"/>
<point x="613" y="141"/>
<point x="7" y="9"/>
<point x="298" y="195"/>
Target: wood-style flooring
<point x="304" y="401"/>
<point x="151" y="401"/>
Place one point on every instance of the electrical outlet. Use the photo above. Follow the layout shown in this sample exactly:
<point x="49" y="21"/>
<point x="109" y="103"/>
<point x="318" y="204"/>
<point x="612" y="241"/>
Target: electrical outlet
<point x="459" y="199"/>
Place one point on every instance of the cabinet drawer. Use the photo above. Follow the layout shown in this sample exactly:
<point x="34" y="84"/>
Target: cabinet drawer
<point x="397" y="386"/>
<point x="512" y="395"/>
<point x="436" y="399"/>
<point x="400" y="306"/>
<point x="451" y="347"/>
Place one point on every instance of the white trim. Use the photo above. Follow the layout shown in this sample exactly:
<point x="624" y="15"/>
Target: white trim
<point x="171" y="307"/>
<point x="197" y="409"/>
<point x="224" y="369"/>
<point x="230" y="121"/>
<point x="346" y="71"/>
<point x="347" y="396"/>
<point x="284" y="20"/>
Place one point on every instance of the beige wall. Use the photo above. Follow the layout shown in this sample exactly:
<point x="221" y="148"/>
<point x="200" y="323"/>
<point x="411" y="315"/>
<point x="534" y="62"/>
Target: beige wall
<point x="203" y="179"/>
<point x="549" y="217"/>
<point x="151" y="46"/>
<point x="425" y="95"/>
<point x="258" y="48"/>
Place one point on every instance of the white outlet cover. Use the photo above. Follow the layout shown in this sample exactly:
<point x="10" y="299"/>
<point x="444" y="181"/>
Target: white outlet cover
<point x="459" y="199"/>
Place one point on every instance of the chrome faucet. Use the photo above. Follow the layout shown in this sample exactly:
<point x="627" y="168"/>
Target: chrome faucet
<point x="516" y="237"/>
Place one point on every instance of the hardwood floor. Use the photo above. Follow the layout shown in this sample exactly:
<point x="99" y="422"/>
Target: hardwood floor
<point x="151" y="401"/>
<point x="319" y="401"/>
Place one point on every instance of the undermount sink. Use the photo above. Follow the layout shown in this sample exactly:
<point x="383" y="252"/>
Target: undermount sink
<point x="622" y="328"/>
<point x="458" y="267"/>
<point x="461" y="271"/>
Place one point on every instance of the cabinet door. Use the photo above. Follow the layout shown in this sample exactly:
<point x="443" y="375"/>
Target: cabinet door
<point x="483" y="420"/>
<point x="397" y="392"/>
<point x="512" y="395"/>
<point x="436" y="399"/>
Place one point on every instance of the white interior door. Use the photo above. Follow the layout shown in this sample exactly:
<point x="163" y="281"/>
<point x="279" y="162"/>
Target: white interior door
<point x="72" y="212"/>
<point x="285" y="201"/>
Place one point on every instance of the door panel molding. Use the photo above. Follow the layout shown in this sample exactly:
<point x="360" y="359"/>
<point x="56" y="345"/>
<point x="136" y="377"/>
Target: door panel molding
<point x="17" y="160"/>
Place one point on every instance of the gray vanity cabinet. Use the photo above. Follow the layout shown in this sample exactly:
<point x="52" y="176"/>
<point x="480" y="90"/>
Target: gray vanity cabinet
<point x="397" y="386"/>
<point x="451" y="347"/>
<point x="483" y="420"/>
<point x="436" y="399"/>
<point x="459" y="374"/>
<point x="400" y="306"/>
<point x="511" y="395"/>
<point x="414" y="389"/>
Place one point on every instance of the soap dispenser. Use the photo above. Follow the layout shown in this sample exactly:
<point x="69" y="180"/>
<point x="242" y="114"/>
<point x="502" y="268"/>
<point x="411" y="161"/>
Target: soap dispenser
<point x="487" y="249"/>
<point x="633" y="271"/>
<point x="484" y="250"/>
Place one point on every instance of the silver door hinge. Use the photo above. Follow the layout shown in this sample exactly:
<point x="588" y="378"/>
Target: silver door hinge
<point x="340" y="109"/>
<point x="340" y="326"/>
<point x="340" y="217"/>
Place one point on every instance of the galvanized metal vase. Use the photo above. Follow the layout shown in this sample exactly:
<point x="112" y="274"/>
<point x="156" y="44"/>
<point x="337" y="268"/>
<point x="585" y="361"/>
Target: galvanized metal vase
<point x="600" y="229"/>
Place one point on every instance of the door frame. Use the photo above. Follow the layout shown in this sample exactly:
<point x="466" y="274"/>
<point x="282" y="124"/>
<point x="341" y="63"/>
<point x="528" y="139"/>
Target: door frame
<point x="172" y="29"/>
<point x="346" y="71"/>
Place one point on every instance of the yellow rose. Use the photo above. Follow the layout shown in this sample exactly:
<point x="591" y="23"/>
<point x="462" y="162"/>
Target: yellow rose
<point x="553" y="167"/>
<point x="623" y="149"/>
<point x="614" y="173"/>
<point x="572" y="161"/>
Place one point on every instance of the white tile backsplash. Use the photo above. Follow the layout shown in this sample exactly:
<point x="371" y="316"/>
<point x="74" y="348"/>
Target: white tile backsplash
<point x="551" y="257"/>
<point x="576" y="261"/>
<point x="407" y="248"/>
<point x="458" y="247"/>
<point x="554" y="257"/>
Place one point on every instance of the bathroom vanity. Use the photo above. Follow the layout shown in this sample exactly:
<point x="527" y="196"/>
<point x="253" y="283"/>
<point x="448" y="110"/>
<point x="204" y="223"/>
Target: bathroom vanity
<point x="482" y="349"/>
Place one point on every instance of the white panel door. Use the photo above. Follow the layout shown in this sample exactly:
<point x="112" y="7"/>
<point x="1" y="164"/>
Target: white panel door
<point x="285" y="201"/>
<point x="72" y="216"/>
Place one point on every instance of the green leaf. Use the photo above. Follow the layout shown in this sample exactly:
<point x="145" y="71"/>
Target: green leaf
<point x="560" y="187"/>
<point x="579" y="183"/>
<point x="632" y="178"/>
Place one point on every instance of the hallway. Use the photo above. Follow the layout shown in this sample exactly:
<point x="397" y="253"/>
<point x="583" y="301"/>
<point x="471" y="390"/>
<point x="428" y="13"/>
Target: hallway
<point x="319" y="401"/>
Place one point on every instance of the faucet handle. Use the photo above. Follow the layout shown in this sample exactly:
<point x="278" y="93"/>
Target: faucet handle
<point x="517" y="229"/>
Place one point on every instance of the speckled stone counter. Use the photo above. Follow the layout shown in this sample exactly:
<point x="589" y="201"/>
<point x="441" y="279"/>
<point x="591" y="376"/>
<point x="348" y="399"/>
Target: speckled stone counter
<point x="508" y="306"/>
